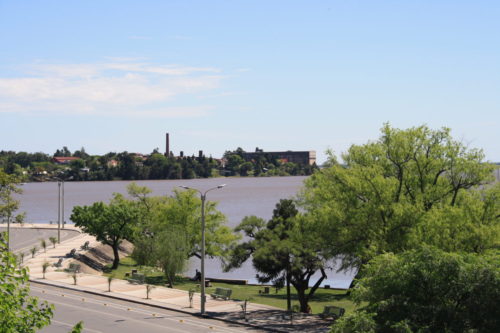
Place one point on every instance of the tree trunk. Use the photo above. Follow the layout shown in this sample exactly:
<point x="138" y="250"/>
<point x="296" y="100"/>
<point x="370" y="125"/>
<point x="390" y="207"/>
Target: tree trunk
<point x="303" y="298"/>
<point x="116" y="260"/>
<point x="288" y="296"/>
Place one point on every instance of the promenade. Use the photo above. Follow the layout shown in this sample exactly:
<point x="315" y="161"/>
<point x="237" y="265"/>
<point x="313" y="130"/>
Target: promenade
<point x="258" y="315"/>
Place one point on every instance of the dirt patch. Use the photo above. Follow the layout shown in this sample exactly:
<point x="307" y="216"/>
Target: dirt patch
<point x="94" y="260"/>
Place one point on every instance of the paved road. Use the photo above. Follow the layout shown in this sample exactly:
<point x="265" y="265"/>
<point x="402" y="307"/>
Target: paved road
<point x="102" y="315"/>
<point x="25" y="238"/>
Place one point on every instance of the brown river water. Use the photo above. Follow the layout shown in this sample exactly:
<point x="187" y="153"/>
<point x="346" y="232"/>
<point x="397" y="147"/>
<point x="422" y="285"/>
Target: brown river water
<point x="240" y="197"/>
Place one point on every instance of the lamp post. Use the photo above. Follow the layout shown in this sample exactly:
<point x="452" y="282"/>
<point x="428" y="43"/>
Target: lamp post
<point x="203" y="196"/>
<point x="59" y="212"/>
<point x="62" y="210"/>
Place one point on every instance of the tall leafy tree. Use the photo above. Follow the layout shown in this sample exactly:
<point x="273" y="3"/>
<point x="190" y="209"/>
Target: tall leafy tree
<point x="428" y="290"/>
<point x="388" y="195"/>
<point x="109" y="223"/>
<point x="169" y="231"/>
<point x="9" y="184"/>
<point x="283" y="251"/>
<point x="19" y="312"/>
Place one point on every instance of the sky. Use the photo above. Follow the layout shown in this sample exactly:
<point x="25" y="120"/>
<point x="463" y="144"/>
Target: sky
<point x="218" y="75"/>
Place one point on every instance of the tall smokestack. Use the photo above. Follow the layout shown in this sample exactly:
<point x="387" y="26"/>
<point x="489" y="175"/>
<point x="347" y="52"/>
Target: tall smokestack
<point x="167" y="149"/>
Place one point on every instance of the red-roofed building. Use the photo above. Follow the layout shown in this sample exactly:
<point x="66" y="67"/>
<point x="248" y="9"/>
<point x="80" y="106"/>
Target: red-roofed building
<point x="64" y="160"/>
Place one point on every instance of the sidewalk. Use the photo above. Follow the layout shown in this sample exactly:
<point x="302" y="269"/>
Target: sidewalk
<point x="258" y="315"/>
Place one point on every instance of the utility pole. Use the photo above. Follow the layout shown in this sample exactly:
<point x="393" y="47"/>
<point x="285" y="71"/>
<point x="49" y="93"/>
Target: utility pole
<point x="203" y="197"/>
<point x="62" y="211"/>
<point x="59" y="212"/>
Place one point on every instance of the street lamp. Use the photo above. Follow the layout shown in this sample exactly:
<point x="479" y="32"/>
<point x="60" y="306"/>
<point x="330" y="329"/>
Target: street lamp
<point x="203" y="196"/>
<point x="59" y="212"/>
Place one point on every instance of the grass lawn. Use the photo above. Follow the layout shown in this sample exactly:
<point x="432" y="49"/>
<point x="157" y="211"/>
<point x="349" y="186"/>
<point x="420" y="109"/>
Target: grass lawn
<point x="321" y="298"/>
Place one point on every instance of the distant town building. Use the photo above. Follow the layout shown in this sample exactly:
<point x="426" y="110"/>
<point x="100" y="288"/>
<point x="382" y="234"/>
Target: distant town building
<point x="298" y="157"/>
<point x="64" y="160"/>
<point x="112" y="163"/>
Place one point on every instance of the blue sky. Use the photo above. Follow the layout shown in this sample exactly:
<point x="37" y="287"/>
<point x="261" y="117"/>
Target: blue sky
<point x="217" y="75"/>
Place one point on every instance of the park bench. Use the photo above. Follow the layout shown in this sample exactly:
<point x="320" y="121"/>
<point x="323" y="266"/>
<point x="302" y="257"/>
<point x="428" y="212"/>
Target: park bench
<point x="85" y="246"/>
<point x="73" y="268"/>
<point x="71" y="253"/>
<point x="332" y="311"/>
<point x="59" y="263"/>
<point x="136" y="278"/>
<point x="154" y="279"/>
<point x="224" y="293"/>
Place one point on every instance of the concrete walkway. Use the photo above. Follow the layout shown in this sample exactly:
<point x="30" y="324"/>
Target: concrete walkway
<point x="258" y="315"/>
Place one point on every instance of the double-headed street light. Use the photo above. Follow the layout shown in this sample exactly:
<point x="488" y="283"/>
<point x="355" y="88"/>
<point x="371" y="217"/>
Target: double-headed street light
<point x="203" y="196"/>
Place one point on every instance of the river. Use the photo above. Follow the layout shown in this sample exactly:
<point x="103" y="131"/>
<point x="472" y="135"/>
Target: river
<point x="239" y="198"/>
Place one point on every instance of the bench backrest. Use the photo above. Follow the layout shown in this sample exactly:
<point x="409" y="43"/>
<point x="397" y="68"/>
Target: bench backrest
<point x="138" y="276"/>
<point x="226" y="292"/>
<point x="334" y="310"/>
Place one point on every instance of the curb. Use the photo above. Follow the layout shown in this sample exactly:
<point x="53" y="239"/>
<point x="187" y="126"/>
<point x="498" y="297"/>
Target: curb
<point x="68" y="287"/>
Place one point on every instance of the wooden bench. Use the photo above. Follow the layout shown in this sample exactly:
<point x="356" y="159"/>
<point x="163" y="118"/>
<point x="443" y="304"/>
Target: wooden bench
<point x="154" y="279"/>
<point x="73" y="268"/>
<point x="136" y="278"/>
<point x="224" y="293"/>
<point x="85" y="246"/>
<point x="332" y="311"/>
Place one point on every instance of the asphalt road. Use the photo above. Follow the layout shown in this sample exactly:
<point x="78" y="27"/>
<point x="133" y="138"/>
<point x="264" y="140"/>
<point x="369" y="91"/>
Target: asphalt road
<point x="102" y="314"/>
<point x="24" y="239"/>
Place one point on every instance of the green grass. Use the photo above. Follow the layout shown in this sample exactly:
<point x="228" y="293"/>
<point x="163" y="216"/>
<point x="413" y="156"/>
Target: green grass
<point x="321" y="298"/>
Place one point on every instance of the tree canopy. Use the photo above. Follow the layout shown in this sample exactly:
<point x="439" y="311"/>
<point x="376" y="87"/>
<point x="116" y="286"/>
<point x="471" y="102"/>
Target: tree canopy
<point x="9" y="184"/>
<point x="109" y="223"/>
<point x="283" y="250"/>
<point x="428" y="290"/>
<point x="169" y="229"/>
<point x="403" y="189"/>
<point x="19" y="312"/>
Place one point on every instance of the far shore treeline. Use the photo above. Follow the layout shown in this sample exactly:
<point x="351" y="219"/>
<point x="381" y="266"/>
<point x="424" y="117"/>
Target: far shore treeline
<point x="81" y="166"/>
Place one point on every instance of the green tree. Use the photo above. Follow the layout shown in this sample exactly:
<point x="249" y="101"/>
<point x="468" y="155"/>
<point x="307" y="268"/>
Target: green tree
<point x="429" y="290"/>
<point x="245" y="168"/>
<point x="110" y="224"/>
<point x="283" y="250"/>
<point x="77" y="328"/>
<point x="19" y="312"/>
<point x="9" y="184"/>
<point x="170" y="252"/>
<point x="169" y="230"/>
<point x="388" y="195"/>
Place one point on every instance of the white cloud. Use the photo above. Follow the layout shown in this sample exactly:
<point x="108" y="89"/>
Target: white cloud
<point x="125" y="88"/>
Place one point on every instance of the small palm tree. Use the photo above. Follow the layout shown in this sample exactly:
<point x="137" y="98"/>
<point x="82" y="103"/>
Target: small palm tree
<point x="191" y="295"/>
<point x="33" y="251"/>
<point x="43" y="244"/>
<point x="53" y="240"/>
<point x="110" y="279"/>
<point x="149" y="288"/>
<point x="44" y="268"/>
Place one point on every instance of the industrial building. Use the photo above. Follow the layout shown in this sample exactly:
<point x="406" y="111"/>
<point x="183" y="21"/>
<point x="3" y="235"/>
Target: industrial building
<point x="299" y="157"/>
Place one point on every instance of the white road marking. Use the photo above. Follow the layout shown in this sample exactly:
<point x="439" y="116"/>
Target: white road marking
<point x="137" y="310"/>
<point x="112" y="315"/>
